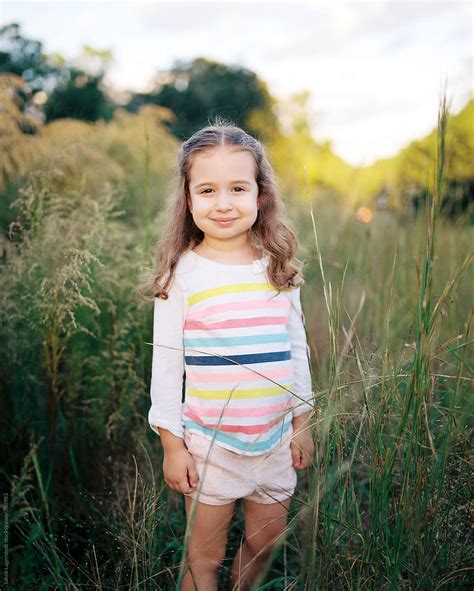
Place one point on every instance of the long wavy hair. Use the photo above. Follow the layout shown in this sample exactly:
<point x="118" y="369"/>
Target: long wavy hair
<point x="272" y="233"/>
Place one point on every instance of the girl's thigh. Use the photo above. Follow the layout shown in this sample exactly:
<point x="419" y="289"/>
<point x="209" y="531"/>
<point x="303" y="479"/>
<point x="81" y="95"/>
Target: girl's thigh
<point x="210" y="525"/>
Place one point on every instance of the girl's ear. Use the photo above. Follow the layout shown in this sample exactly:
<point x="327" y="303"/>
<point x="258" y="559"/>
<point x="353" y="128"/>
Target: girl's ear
<point x="189" y="204"/>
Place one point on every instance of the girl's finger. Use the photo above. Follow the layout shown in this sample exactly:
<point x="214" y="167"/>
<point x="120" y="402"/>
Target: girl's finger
<point x="184" y="486"/>
<point x="193" y="476"/>
<point x="296" y="454"/>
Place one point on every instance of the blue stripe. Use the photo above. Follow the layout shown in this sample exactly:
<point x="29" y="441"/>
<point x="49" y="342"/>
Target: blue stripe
<point x="230" y="341"/>
<point x="242" y="445"/>
<point x="209" y="359"/>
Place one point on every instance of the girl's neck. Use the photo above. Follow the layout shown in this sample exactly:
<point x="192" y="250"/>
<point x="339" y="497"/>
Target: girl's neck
<point x="244" y="255"/>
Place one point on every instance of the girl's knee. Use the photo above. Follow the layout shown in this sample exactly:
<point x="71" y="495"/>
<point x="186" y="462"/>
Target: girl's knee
<point x="205" y="557"/>
<point x="262" y="545"/>
<point x="206" y="551"/>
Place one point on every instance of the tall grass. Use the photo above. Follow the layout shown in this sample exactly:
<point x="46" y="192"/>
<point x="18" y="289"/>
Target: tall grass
<point x="390" y="450"/>
<point x="388" y="315"/>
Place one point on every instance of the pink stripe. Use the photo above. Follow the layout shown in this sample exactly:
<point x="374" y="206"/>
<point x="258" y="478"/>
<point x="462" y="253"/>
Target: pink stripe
<point x="238" y="412"/>
<point x="248" y="429"/>
<point x="252" y="305"/>
<point x="244" y="376"/>
<point x="235" y="323"/>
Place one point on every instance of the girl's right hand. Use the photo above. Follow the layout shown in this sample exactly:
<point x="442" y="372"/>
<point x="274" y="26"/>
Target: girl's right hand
<point x="180" y="471"/>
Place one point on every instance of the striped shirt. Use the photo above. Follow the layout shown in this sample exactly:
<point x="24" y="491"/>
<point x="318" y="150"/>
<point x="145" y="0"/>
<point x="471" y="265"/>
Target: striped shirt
<point x="241" y="349"/>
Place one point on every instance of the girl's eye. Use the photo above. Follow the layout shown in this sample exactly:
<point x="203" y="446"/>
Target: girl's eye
<point x="241" y="189"/>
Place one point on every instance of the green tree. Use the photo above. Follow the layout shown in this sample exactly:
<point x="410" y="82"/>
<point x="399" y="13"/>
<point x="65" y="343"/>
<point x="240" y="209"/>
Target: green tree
<point x="300" y="158"/>
<point x="81" y="97"/>
<point x="199" y="90"/>
<point x="82" y="94"/>
<point x="414" y="166"/>
<point x="64" y="90"/>
<point x="406" y="178"/>
<point x="25" y="58"/>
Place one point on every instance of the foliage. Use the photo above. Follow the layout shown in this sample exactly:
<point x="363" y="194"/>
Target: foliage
<point x="122" y="152"/>
<point x="25" y="58"/>
<point x="44" y="88"/>
<point x="388" y="315"/>
<point x="64" y="90"/>
<point x="411" y="172"/>
<point x="198" y="90"/>
<point x="81" y="97"/>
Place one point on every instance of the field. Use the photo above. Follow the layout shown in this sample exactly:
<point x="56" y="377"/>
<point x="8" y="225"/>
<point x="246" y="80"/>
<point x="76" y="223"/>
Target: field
<point x="388" y="310"/>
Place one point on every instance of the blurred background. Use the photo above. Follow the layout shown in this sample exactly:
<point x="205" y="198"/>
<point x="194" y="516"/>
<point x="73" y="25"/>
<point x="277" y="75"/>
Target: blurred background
<point x="95" y="98"/>
<point x="355" y="85"/>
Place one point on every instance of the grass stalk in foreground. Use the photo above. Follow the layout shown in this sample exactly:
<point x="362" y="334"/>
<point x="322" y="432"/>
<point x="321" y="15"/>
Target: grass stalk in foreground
<point x="393" y="539"/>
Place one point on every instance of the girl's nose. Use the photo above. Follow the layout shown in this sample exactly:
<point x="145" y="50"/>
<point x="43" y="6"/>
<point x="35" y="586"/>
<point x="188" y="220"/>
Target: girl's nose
<point x="223" y="201"/>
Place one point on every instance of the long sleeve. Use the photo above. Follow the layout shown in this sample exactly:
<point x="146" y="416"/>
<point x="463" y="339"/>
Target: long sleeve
<point x="168" y="364"/>
<point x="300" y="354"/>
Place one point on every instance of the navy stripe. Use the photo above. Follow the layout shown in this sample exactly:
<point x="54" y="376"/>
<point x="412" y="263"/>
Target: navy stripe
<point x="242" y="359"/>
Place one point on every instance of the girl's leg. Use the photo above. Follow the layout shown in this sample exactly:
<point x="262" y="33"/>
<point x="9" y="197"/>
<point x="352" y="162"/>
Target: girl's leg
<point x="206" y="544"/>
<point x="264" y="526"/>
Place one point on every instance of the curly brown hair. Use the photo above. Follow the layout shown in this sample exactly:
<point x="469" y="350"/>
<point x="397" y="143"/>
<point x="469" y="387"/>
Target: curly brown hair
<point x="272" y="233"/>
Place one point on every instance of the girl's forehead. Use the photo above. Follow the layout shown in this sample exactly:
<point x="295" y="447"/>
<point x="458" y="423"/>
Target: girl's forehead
<point x="210" y="161"/>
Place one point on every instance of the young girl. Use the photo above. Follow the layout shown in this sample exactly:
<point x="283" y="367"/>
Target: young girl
<point x="231" y="386"/>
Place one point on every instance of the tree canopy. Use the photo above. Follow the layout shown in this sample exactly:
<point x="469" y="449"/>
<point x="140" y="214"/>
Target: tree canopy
<point x="197" y="91"/>
<point x="64" y="90"/>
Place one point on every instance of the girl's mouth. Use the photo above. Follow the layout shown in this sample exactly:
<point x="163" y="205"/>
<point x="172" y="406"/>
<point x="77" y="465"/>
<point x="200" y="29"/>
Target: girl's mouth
<point x="224" y="222"/>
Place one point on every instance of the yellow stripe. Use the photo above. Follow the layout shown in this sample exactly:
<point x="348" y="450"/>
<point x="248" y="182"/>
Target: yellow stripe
<point x="238" y="394"/>
<point x="232" y="288"/>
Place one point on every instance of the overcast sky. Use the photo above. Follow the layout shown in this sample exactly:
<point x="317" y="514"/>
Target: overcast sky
<point x="374" y="70"/>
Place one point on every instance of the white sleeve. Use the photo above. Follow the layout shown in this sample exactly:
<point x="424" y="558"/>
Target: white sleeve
<point x="300" y="354"/>
<point x="167" y="368"/>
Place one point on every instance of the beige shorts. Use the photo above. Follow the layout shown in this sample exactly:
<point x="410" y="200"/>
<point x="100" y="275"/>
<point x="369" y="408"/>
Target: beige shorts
<point x="265" y="478"/>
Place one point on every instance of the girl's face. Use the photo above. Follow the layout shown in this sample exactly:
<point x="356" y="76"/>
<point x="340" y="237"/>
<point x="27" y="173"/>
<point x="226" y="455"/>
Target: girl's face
<point x="222" y="186"/>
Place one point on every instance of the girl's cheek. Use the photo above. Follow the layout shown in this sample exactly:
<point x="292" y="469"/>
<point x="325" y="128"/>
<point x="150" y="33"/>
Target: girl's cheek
<point x="202" y="207"/>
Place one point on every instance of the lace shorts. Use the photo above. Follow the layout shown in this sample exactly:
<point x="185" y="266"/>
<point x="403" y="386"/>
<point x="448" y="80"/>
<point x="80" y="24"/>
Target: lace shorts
<point x="228" y="475"/>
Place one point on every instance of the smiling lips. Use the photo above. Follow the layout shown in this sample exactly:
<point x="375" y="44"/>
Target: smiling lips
<point x="224" y="220"/>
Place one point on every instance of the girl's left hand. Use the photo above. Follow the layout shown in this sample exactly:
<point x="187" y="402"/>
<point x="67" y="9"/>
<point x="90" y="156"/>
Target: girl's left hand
<point x="302" y="449"/>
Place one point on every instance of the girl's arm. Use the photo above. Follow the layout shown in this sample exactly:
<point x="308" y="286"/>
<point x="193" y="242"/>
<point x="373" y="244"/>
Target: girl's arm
<point x="167" y="369"/>
<point x="300" y="352"/>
